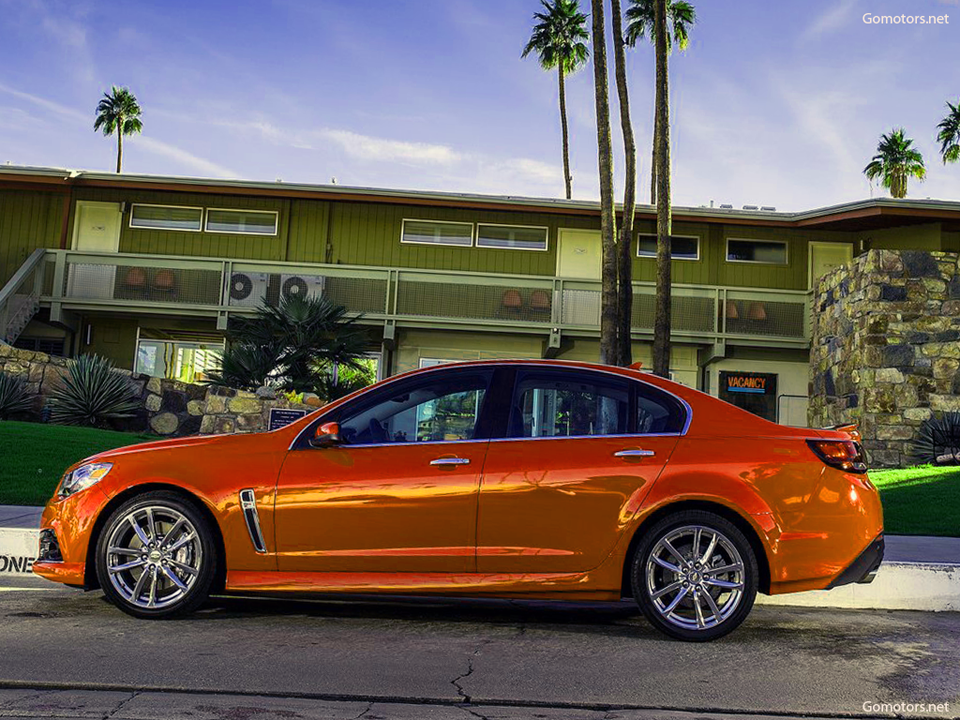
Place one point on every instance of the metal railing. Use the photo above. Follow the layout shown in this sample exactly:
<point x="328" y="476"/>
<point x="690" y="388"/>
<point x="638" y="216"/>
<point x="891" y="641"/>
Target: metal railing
<point x="430" y="298"/>
<point x="20" y="297"/>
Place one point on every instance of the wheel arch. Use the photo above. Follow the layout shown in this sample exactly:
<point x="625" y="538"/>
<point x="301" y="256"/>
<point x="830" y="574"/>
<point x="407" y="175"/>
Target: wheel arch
<point x="90" y="581"/>
<point x="744" y="525"/>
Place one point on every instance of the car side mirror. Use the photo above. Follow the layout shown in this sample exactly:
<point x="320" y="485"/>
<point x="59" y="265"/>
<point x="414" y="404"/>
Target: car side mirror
<point x="326" y="434"/>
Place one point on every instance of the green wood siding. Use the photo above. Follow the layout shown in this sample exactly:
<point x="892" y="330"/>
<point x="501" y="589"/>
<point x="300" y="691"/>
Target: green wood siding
<point x="369" y="234"/>
<point x="28" y="220"/>
<point x="204" y="244"/>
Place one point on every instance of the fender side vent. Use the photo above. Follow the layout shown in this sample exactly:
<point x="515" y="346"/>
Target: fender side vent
<point x="248" y="503"/>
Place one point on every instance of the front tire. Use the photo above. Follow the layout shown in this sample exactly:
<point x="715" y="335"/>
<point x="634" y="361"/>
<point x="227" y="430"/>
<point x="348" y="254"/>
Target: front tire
<point x="695" y="576"/>
<point x="156" y="556"/>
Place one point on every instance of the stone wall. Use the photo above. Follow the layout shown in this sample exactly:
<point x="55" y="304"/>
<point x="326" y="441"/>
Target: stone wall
<point x="885" y="347"/>
<point x="167" y="407"/>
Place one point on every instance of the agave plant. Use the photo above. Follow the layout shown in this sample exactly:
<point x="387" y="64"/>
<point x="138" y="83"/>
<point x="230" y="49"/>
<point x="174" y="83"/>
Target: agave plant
<point x="938" y="441"/>
<point x="92" y="393"/>
<point x="14" y="399"/>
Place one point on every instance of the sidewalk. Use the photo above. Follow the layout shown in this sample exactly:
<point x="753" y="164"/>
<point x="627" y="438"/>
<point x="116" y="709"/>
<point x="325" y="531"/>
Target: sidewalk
<point x="918" y="572"/>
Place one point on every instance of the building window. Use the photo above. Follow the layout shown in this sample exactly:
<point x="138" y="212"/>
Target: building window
<point x="751" y="391"/>
<point x="166" y="217"/>
<point x="514" y="237"/>
<point x="189" y="362"/>
<point x="770" y="252"/>
<point x="242" y="222"/>
<point x="682" y="247"/>
<point x="437" y="232"/>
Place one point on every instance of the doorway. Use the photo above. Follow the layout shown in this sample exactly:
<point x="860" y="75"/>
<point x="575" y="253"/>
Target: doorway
<point x="96" y="228"/>
<point x="825" y="256"/>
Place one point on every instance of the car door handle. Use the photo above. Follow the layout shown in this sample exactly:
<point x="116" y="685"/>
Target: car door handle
<point x="634" y="453"/>
<point x="450" y="461"/>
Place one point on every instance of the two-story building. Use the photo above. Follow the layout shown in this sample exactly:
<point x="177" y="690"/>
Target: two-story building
<point x="148" y="271"/>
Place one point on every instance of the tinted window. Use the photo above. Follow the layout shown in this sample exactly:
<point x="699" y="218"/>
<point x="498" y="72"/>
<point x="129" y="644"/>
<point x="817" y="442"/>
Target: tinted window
<point x="658" y="412"/>
<point x="443" y="407"/>
<point x="568" y="404"/>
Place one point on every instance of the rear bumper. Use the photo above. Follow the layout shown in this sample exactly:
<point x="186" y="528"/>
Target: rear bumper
<point x="864" y="568"/>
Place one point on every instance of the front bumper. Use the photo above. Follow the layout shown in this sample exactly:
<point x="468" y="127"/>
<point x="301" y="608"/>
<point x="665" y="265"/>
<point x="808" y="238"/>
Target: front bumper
<point x="864" y="568"/>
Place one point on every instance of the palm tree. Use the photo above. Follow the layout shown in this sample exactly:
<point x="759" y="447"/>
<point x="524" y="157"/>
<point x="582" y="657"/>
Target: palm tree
<point x="559" y="40"/>
<point x="949" y="135"/>
<point x="895" y="161"/>
<point x="609" y="353"/>
<point x="292" y="345"/>
<point x="662" y="321"/>
<point x="118" y="112"/>
<point x="624" y="244"/>
<point x="681" y="16"/>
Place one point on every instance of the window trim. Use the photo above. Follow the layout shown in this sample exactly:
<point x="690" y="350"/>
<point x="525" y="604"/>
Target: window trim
<point x="786" y="249"/>
<point x="383" y="389"/>
<point x="546" y="236"/>
<point x="698" y="258"/>
<point x="473" y="232"/>
<point x="170" y="229"/>
<point x="322" y="415"/>
<point x="275" y="213"/>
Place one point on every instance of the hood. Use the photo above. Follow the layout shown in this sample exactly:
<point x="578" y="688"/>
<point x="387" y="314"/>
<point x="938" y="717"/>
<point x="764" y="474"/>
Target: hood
<point x="170" y="444"/>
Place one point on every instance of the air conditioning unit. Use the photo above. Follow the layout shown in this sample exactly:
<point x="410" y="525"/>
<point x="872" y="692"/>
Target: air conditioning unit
<point x="302" y="285"/>
<point x="248" y="289"/>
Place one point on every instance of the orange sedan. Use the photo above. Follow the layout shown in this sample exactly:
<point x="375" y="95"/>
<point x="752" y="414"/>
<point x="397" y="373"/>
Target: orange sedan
<point x="512" y="479"/>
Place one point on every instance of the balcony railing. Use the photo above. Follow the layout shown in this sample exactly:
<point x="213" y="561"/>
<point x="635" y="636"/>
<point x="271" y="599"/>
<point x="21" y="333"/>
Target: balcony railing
<point x="431" y="298"/>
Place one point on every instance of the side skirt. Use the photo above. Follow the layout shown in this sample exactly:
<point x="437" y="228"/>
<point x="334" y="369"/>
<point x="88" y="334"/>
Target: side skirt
<point x="569" y="586"/>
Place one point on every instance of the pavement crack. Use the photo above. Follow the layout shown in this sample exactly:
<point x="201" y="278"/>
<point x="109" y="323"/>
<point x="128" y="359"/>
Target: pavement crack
<point x="456" y="681"/>
<point x="120" y="705"/>
<point x="363" y="713"/>
<point x="473" y="713"/>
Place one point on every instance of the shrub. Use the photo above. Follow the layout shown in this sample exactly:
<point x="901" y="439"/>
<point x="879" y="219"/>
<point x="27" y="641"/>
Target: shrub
<point x="14" y="399"/>
<point x="92" y="393"/>
<point x="938" y="441"/>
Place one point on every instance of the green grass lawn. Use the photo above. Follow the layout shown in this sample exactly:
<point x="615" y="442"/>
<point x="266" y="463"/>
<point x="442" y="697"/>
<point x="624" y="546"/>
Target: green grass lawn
<point x="35" y="456"/>
<point x="922" y="500"/>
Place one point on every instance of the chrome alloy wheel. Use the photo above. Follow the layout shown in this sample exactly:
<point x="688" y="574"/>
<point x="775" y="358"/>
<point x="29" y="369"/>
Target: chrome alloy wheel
<point x="153" y="556"/>
<point x="695" y="577"/>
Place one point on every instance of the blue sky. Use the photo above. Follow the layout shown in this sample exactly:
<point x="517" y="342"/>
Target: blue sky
<point x="774" y="103"/>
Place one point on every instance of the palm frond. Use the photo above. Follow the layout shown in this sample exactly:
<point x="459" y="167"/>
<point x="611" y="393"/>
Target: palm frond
<point x="92" y="393"/>
<point x="14" y="398"/>
<point x="949" y="135"/>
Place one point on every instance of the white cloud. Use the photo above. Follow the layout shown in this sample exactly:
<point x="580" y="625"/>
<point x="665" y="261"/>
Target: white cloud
<point x="366" y="147"/>
<point x="837" y="16"/>
<point x="188" y="159"/>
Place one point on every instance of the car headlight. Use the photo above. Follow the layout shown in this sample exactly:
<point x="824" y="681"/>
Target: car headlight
<point x="83" y="477"/>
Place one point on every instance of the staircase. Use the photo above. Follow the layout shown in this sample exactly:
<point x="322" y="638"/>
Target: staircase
<point x="20" y="298"/>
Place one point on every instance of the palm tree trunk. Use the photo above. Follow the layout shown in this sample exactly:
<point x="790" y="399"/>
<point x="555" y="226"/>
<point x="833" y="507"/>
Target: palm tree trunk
<point x="624" y="254"/>
<point x="119" y="143"/>
<point x="653" y="166"/>
<point x="567" y="180"/>
<point x="661" y="325"/>
<point x="608" y="219"/>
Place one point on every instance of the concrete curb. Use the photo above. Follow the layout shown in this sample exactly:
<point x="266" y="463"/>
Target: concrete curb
<point x="898" y="585"/>
<point x="18" y="550"/>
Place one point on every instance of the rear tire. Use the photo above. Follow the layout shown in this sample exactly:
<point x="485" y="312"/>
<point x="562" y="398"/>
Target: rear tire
<point x="157" y="556"/>
<point x="694" y="575"/>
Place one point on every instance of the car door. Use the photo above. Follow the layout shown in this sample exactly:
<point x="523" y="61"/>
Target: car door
<point x="581" y="450"/>
<point x="399" y="492"/>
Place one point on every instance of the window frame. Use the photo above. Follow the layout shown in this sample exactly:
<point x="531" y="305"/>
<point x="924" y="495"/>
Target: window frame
<point x="546" y="236"/>
<point x="133" y="207"/>
<point x="472" y="225"/>
<point x="247" y="211"/>
<point x="377" y="394"/>
<point x="786" y="251"/>
<point x="698" y="258"/>
<point x="635" y="387"/>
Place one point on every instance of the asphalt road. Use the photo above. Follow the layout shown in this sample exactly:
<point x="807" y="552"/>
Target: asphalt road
<point x="70" y="654"/>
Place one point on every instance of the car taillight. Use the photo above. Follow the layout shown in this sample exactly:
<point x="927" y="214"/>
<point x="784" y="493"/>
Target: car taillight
<point x="846" y="455"/>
